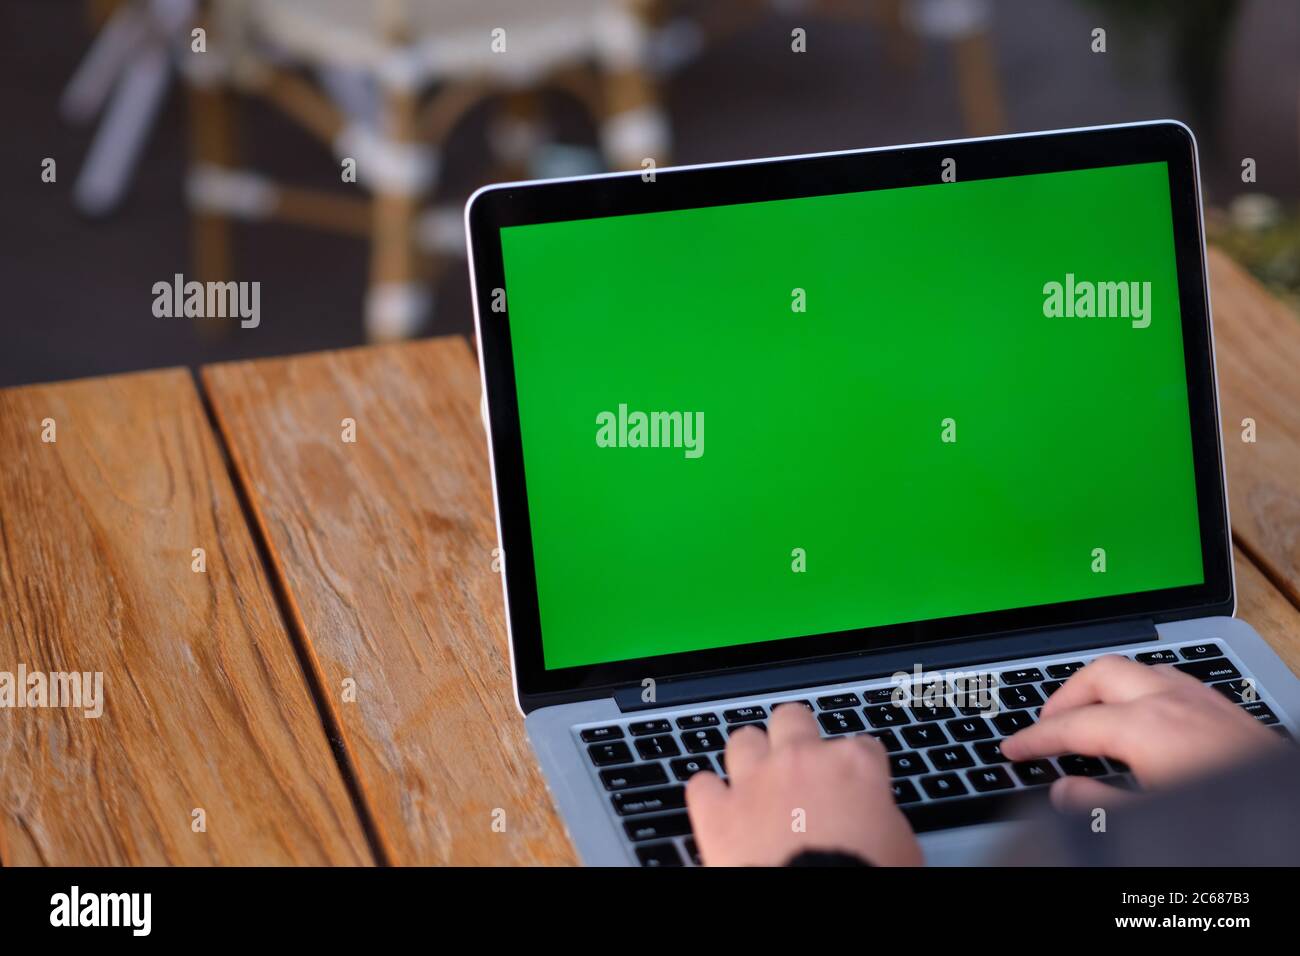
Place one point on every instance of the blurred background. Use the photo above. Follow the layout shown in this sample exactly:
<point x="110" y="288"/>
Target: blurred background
<point x="325" y="148"/>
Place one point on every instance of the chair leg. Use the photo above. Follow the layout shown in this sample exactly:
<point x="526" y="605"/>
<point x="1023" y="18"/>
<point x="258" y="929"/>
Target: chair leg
<point x="398" y="302"/>
<point x="981" y="92"/>
<point x="212" y="144"/>
<point x="633" y="126"/>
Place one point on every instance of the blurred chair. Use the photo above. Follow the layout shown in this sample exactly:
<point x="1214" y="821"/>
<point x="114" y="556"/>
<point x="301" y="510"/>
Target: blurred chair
<point x="383" y="83"/>
<point x="125" y="75"/>
<point x="963" y="25"/>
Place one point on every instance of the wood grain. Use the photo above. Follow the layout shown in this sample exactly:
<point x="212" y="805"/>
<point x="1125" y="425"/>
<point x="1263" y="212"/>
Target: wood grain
<point x="1257" y="341"/>
<point x="1268" y="611"/>
<point x="206" y="705"/>
<point x="385" y="546"/>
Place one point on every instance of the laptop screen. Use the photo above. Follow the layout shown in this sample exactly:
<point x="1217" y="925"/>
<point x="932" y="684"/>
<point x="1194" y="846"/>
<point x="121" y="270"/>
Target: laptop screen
<point x="744" y="423"/>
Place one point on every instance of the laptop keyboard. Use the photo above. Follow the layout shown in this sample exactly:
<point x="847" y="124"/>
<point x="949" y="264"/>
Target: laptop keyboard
<point x="941" y="732"/>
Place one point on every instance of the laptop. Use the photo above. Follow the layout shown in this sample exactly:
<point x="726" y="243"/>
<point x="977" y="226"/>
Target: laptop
<point x="905" y="435"/>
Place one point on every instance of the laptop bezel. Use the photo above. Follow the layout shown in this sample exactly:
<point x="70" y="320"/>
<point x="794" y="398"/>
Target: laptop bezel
<point x="494" y="207"/>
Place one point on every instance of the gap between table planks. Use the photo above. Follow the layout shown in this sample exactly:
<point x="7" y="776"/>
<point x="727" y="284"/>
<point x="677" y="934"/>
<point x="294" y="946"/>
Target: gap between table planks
<point x="206" y="705"/>
<point x="385" y="546"/>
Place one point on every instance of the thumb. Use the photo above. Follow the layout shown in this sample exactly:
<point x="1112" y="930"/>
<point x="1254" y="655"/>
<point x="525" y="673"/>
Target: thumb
<point x="1081" y="794"/>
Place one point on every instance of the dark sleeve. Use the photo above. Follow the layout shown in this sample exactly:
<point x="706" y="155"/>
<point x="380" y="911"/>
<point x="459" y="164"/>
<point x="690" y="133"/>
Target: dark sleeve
<point x="826" y="858"/>
<point x="1248" y="815"/>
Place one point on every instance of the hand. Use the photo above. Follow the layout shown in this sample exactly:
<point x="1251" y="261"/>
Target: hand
<point x="1167" y="726"/>
<point x="791" y="791"/>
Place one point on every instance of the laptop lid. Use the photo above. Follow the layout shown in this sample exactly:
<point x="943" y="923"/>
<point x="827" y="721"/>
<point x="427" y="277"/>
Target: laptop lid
<point x="753" y="413"/>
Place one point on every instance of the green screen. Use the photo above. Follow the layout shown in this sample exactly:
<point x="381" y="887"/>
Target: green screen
<point x="902" y="419"/>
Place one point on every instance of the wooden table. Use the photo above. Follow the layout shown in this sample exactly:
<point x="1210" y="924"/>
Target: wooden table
<point x="332" y="686"/>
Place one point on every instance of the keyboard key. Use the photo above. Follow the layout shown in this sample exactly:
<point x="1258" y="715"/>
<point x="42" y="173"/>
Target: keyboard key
<point x="722" y="763"/>
<point x="979" y="705"/>
<point x="889" y="739"/>
<point x="978" y="687"/>
<point x="1012" y="721"/>
<point x="886" y="715"/>
<point x="1015" y="698"/>
<point x="649" y="801"/>
<point x="731" y="729"/>
<point x="1080" y="765"/>
<point x="905" y="792"/>
<point x="656" y="748"/>
<point x="1023" y="675"/>
<point x="1050" y="687"/>
<point x="926" y="713"/>
<point x="881" y="695"/>
<point x="950" y="758"/>
<point x="984" y="808"/>
<point x="930" y="691"/>
<point x="1033" y="772"/>
<point x="602" y="755"/>
<point x="1062" y="671"/>
<point x="969" y="728"/>
<point x="943" y="785"/>
<point x="781" y="703"/>
<point x="702" y="741"/>
<point x="989" y="751"/>
<point x="906" y="765"/>
<point x="697" y="720"/>
<point x="1157" y="657"/>
<point x="837" y="701"/>
<point x="638" y="775"/>
<point x="987" y="779"/>
<point x="692" y="851"/>
<point x="841" y="721"/>
<point x="1213" y="669"/>
<point x="740" y="715"/>
<point x="594" y="734"/>
<point x="924" y="735"/>
<point x="686" y="767"/>
<point x="657" y="828"/>
<point x="1241" y="691"/>
<point x="659" y="854"/>
<point x="1117" y="766"/>
<point x="642" y="727"/>
<point x="1261" y="712"/>
<point x="1196" y="652"/>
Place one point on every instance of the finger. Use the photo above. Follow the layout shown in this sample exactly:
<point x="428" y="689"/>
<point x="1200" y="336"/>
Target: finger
<point x="704" y="792"/>
<point x="1083" y="794"/>
<point x="1109" y="680"/>
<point x="1096" y="729"/>
<point x="874" y="748"/>
<point x="790" y="724"/>
<point x="745" y="748"/>
<point x="706" y="802"/>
